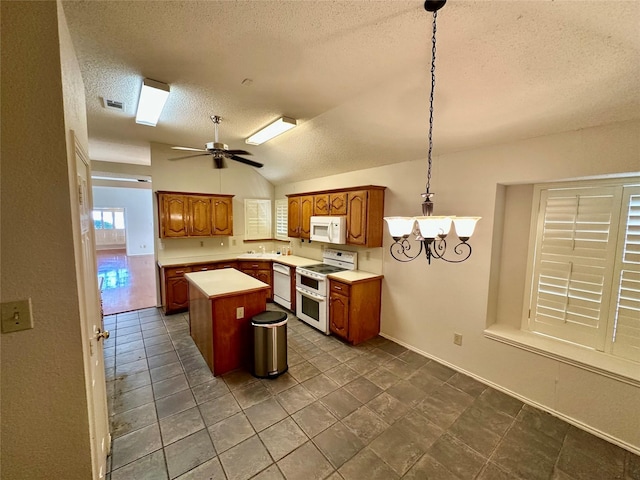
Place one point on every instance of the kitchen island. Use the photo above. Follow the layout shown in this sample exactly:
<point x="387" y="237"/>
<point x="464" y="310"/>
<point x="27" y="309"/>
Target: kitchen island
<point x="221" y="305"/>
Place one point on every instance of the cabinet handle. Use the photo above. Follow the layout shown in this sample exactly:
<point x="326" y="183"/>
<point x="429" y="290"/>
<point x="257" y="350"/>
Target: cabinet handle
<point x="179" y="271"/>
<point x="337" y="288"/>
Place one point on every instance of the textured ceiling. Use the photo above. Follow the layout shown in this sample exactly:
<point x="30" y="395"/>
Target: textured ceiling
<point x="356" y="74"/>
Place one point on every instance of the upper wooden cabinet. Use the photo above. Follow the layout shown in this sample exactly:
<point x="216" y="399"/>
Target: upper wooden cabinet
<point x="300" y="212"/>
<point x="222" y="209"/>
<point x="183" y="215"/>
<point x="330" y="203"/>
<point x="363" y="207"/>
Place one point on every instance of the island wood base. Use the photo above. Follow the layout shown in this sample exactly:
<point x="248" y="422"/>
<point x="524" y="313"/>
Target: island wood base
<point x="223" y="339"/>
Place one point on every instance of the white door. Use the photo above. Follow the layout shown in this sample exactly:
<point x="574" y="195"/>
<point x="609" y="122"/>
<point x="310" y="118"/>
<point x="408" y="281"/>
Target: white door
<point x="92" y="327"/>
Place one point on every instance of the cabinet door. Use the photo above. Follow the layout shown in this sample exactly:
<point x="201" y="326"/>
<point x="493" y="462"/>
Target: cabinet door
<point x="177" y="294"/>
<point x="293" y="223"/>
<point x="265" y="276"/>
<point x="306" y="211"/>
<point x="357" y="218"/>
<point x="199" y="216"/>
<point x="321" y="204"/>
<point x="222" y="216"/>
<point x="339" y="314"/>
<point x="338" y="203"/>
<point x="173" y="216"/>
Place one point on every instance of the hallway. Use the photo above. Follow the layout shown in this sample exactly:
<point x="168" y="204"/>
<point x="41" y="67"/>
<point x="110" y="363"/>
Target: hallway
<point x="127" y="282"/>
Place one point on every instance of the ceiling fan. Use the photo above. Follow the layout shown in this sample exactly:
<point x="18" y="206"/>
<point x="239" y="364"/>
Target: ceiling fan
<point x="219" y="151"/>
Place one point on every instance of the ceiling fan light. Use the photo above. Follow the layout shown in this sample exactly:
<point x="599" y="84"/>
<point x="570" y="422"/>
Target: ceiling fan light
<point x="465" y="226"/>
<point x="153" y="96"/>
<point x="272" y="130"/>
<point x="400" y="226"/>
<point x="431" y="226"/>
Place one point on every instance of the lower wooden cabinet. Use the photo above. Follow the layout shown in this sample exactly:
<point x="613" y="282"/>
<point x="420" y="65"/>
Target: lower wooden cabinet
<point x="354" y="309"/>
<point x="174" y="288"/>
<point x="260" y="270"/>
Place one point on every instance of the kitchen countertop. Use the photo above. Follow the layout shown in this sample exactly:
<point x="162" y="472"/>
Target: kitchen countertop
<point x="224" y="282"/>
<point x="291" y="260"/>
<point x="354" y="276"/>
<point x="348" y="276"/>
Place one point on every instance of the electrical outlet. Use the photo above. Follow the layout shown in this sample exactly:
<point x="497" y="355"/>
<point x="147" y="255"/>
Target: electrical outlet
<point x="240" y="313"/>
<point x="202" y="244"/>
<point x="457" y="339"/>
<point x="16" y="316"/>
<point x="367" y="255"/>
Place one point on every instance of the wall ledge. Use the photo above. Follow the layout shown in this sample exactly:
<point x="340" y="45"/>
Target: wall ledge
<point x="601" y="363"/>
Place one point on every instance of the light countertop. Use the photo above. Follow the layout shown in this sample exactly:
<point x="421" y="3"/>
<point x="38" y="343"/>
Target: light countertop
<point x="291" y="260"/>
<point x="354" y="276"/>
<point x="224" y="282"/>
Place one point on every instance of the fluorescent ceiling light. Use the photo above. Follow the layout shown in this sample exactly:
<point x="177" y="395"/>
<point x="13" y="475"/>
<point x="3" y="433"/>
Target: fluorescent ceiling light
<point x="273" y="130"/>
<point x="152" y="99"/>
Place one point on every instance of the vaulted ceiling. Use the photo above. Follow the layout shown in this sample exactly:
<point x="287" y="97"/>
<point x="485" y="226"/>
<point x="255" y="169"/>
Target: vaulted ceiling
<point x="355" y="74"/>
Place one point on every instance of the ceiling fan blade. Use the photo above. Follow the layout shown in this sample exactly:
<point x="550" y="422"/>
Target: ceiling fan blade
<point x="245" y="161"/>
<point x="218" y="162"/>
<point x="189" y="149"/>
<point x="238" y="152"/>
<point x="190" y="156"/>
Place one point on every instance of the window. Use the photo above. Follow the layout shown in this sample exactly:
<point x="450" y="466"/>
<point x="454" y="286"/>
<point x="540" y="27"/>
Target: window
<point x="108" y="219"/>
<point x="585" y="273"/>
<point x="257" y="219"/>
<point x="282" y="217"/>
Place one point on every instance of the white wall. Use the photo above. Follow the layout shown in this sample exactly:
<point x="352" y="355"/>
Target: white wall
<point x="138" y="214"/>
<point x="423" y="305"/>
<point x="44" y="410"/>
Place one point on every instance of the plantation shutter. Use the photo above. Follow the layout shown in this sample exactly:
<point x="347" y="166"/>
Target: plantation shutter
<point x="257" y="219"/>
<point x="572" y="268"/>
<point x="626" y="329"/>
<point x="281" y="219"/>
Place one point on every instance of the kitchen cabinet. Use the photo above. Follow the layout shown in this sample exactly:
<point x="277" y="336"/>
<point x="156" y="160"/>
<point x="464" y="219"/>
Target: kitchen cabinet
<point x="330" y="204"/>
<point x="300" y="212"/>
<point x="262" y="270"/>
<point x="354" y="309"/>
<point x="365" y="210"/>
<point x="174" y="288"/>
<point x="222" y="209"/>
<point x="199" y="219"/>
<point x="184" y="215"/>
<point x="363" y="207"/>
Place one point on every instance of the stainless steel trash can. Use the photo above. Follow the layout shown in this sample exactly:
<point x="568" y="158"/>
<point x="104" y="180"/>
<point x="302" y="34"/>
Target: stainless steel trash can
<point x="269" y="344"/>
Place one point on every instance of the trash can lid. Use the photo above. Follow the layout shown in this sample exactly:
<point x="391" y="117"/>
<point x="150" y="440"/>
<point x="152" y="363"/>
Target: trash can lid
<point x="268" y="317"/>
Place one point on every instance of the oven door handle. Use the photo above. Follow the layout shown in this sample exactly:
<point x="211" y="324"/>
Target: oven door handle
<point x="307" y="293"/>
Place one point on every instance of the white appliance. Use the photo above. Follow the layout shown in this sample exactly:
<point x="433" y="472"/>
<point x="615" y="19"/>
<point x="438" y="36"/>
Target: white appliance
<point x="282" y="285"/>
<point x="312" y="287"/>
<point x="329" y="229"/>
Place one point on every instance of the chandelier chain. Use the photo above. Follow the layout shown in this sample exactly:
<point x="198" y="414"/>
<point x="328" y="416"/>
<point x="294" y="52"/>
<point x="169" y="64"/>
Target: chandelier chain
<point x="433" y="86"/>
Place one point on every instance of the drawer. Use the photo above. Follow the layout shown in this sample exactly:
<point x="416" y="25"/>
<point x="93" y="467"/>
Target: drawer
<point x="339" y="287"/>
<point x="171" y="272"/>
<point x="203" y="267"/>
<point x="253" y="265"/>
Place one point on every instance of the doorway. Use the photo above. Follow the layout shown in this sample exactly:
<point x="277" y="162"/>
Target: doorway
<point x="123" y="221"/>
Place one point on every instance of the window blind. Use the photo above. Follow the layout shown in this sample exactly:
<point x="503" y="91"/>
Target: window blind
<point x="281" y="209"/>
<point x="257" y="219"/>
<point x="572" y="267"/>
<point x="626" y="328"/>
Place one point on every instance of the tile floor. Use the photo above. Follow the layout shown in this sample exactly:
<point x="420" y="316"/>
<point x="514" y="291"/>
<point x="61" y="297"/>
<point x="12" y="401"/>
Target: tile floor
<point x="375" y="411"/>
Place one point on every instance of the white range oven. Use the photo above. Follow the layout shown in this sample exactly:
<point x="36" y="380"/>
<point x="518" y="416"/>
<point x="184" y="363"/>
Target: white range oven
<point x="312" y="287"/>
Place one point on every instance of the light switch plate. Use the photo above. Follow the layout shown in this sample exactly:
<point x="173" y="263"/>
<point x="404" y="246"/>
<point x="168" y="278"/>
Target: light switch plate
<point x="240" y="313"/>
<point x="16" y="316"/>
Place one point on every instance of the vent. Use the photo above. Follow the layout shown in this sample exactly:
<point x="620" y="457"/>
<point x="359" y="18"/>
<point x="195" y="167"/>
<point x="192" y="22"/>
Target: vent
<point x="113" y="105"/>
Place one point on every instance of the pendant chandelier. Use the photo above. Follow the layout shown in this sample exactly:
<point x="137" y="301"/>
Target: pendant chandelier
<point x="430" y="231"/>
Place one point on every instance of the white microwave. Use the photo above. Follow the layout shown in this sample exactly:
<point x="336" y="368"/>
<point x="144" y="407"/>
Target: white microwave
<point x="329" y="229"/>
